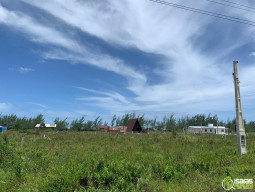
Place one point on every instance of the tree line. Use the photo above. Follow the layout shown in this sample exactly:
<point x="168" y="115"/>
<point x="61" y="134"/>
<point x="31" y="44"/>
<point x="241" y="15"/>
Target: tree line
<point x="167" y="123"/>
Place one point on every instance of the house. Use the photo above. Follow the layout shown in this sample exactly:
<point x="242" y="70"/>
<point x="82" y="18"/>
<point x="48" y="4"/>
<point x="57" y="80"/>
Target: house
<point x="209" y="129"/>
<point x="134" y="126"/>
<point x="112" y="129"/>
<point x="103" y="128"/>
<point x="117" y="129"/>
<point x="3" y="129"/>
<point x="44" y="127"/>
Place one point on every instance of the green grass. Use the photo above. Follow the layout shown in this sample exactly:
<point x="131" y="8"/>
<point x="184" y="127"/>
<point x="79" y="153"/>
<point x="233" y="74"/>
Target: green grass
<point x="93" y="161"/>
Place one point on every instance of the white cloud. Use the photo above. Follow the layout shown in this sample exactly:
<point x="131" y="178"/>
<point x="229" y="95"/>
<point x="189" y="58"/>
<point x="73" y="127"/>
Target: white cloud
<point x="22" y="69"/>
<point x="36" y="31"/>
<point x="252" y="54"/>
<point x="102" y="61"/>
<point x="25" y="70"/>
<point x="195" y="78"/>
<point x="191" y="78"/>
<point x="77" y="53"/>
<point x="111" y="96"/>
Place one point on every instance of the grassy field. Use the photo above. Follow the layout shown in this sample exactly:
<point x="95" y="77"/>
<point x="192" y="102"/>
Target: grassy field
<point x="93" y="161"/>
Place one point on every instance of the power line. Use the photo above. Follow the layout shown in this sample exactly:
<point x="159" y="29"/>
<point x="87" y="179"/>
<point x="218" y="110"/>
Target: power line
<point x="218" y="15"/>
<point x="244" y="21"/>
<point x="239" y="4"/>
<point x="231" y="6"/>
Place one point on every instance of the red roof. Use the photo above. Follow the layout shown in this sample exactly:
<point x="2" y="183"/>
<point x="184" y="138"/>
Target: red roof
<point x="134" y="126"/>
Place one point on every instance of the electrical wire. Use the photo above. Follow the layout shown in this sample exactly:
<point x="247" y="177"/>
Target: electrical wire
<point x="239" y="4"/>
<point x="218" y="15"/>
<point x="204" y="12"/>
<point x="224" y="4"/>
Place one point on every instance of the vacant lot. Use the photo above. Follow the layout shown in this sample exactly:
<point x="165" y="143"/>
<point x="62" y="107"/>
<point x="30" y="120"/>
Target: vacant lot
<point x="90" y="161"/>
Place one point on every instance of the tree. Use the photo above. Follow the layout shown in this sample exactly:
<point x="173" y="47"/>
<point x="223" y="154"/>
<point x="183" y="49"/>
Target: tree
<point x="39" y="119"/>
<point x="231" y="125"/>
<point x="170" y="123"/>
<point x="61" y="124"/>
<point x="9" y="120"/>
<point x="78" y="125"/>
<point x="89" y="126"/>
<point x="250" y="127"/>
<point x="124" y="120"/>
<point x="97" y="122"/>
<point x="113" y="120"/>
<point x="141" y="120"/>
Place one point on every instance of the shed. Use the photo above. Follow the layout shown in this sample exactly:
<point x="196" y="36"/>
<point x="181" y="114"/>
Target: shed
<point x="3" y="129"/>
<point x="134" y="126"/>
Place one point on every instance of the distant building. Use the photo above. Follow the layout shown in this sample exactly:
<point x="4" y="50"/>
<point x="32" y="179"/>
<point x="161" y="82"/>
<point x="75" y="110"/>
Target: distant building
<point x="103" y="128"/>
<point x="118" y="129"/>
<point x="3" y="129"/>
<point x="46" y="125"/>
<point x="210" y="129"/>
<point x="40" y="128"/>
<point x="133" y="126"/>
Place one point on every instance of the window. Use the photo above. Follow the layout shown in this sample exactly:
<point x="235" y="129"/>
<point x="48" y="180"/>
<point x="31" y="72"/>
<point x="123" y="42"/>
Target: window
<point x="210" y="130"/>
<point x="205" y="130"/>
<point x="222" y="130"/>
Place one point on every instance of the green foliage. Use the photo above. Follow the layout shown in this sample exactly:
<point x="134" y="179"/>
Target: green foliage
<point x="6" y="153"/>
<point x="124" y="120"/>
<point x="113" y="120"/>
<point x="39" y="119"/>
<point x="97" y="122"/>
<point x="78" y="125"/>
<point x="250" y="126"/>
<point x="15" y="122"/>
<point x="89" y="161"/>
<point x="83" y="125"/>
<point x="62" y="125"/>
<point x="120" y="176"/>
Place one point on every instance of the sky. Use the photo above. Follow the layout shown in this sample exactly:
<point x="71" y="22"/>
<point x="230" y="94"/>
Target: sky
<point x="69" y="58"/>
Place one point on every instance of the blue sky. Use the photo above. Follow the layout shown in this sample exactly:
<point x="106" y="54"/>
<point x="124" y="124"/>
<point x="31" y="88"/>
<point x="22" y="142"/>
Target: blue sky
<point x="99" y="58"/>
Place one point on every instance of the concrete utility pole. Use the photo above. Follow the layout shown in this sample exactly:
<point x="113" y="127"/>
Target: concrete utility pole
<point x="241" y="137"/>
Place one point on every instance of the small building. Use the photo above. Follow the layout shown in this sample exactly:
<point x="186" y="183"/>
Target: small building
<point x="103" y="128"/>
<point x="112" y="129"/>
<point x="3" y="129"/>
<point x="210" y="129"/>
<point x="134" y="126"/>
<point x="117" y="129"/>
<point x="46" y="126"/>
<point x="42" y="127"/>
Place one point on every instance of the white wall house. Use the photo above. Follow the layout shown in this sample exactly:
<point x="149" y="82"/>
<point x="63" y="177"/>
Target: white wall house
<point x="210" y="129"/>
<point x="46" y="125"/>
